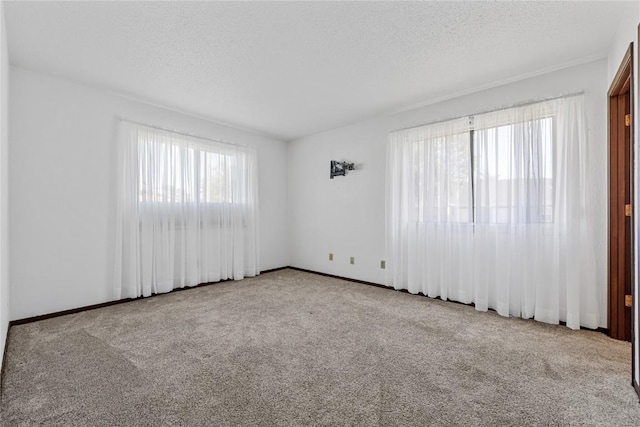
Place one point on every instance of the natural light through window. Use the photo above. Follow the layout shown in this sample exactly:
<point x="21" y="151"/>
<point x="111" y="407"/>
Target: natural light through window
<point x="183" y="173"/>
<point x="492" y="175"/>
<point x="187" y="211"/>
<point x="513" y="173"/>
<point x="492" y="209"/>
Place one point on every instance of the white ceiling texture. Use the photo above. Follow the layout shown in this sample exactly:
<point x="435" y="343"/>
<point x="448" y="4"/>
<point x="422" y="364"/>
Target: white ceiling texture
<point x="297" y="68"/>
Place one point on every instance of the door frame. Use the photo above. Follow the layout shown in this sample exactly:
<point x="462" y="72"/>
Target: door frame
<point x="620" y="252"/>
<point x="635" y="340"/>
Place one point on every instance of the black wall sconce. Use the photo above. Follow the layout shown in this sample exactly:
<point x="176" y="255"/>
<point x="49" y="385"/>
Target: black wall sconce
<point x="340" y="168"/>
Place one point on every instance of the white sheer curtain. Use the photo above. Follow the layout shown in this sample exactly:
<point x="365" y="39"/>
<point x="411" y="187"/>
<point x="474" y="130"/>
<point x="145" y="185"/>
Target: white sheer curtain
<point x="491" y="209"/>
<point x="187" y="211"/>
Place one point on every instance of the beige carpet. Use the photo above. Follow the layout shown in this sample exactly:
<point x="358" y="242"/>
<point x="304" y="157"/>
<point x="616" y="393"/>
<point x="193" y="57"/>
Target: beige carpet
<point x="292" y="348"/>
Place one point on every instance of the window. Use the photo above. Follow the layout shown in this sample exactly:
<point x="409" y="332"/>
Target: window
<point x="187" y="213"/>
<point x="443" y="173"/>
<point x="513" y="172"/>
<point x="489" y="173"/>
<point x="494" y="210"/>
<point x="183" y="172"/>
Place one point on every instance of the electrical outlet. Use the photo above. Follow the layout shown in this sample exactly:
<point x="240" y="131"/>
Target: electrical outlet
<point x="330" y="256"/>
<point x="383" y="264"/>
<point x="352" y="260"/>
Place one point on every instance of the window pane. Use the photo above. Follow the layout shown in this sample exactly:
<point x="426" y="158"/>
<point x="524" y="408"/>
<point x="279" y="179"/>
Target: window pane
<point x="443" y="180"/>
<point x="174" y="171"/>
<point x="514" y="172"/>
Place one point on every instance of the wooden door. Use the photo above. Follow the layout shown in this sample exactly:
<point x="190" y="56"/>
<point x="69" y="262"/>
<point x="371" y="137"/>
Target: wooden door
<point x="621" y="264"/>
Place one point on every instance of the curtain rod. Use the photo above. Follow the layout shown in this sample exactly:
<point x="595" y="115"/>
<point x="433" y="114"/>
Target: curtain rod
<point x="522" y="104"/>
<point x="219" y="141"/>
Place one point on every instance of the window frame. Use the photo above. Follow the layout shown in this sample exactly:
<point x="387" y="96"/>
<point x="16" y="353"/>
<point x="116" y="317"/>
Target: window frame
<point x="473" y="178"/>
<point x="146" y="198"/>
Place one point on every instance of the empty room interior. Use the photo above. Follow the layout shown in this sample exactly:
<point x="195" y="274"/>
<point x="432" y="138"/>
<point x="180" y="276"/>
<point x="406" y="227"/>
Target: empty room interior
<point x="319" y="213"/>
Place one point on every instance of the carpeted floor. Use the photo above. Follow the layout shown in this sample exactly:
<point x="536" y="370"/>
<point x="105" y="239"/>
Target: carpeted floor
<point x="293" y="348"/>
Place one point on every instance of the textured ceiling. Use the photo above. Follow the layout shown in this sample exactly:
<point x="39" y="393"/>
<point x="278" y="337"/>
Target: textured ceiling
<point x="294" y="69"/>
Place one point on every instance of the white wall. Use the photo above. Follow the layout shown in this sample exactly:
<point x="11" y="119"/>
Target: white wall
<point x="627" y="33"/>
<point x="62" y="195"/>
<point x="345" y="215"/>
<point x="4" y="177"/>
